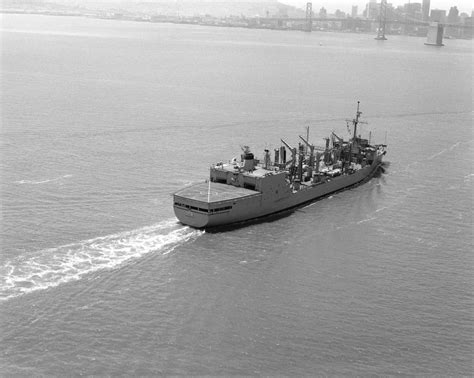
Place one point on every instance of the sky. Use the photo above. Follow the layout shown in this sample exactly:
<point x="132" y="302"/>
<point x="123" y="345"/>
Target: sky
<point x="346" y="5"/>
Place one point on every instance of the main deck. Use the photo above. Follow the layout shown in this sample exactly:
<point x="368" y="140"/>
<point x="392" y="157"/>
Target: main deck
<point x="215" y="192"/>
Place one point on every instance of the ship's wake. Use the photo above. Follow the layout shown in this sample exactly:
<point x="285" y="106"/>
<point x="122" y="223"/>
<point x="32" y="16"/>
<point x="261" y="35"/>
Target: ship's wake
<point x="51" y="267"/>
<point x="36" y="182"/>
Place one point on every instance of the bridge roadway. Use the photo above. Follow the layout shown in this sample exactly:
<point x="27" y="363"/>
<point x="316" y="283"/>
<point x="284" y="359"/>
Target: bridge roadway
<point x="359" y="20"/>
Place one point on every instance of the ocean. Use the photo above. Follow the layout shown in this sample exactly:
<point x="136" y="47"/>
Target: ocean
<point x="102" y="120"/>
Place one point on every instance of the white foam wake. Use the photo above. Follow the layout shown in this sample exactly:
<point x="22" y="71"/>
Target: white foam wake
<point x="33" y="182"/>
<point x="52" y="267"/>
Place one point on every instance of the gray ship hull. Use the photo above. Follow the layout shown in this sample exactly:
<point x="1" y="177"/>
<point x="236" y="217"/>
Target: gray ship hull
<point x="220" y="204"/>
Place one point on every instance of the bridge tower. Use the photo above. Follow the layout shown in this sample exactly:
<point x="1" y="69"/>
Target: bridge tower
<point x="382" y="19"/>
<point x="309" y="17"/>
<point x="435" y="34"/>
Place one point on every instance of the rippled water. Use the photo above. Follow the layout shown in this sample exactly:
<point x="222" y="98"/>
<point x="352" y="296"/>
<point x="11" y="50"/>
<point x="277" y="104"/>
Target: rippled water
<point x="54" y="266"/>
<point x="103" y="120"/>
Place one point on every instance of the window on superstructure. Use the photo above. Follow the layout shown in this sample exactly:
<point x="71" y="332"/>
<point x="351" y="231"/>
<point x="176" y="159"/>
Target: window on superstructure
<point x="249" y="186"/>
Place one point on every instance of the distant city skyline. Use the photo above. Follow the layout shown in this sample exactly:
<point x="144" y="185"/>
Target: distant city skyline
<point x="346" y="5"/>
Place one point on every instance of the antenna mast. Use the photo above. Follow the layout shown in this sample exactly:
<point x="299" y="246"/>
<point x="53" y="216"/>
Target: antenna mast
<point x="356" y="121"/>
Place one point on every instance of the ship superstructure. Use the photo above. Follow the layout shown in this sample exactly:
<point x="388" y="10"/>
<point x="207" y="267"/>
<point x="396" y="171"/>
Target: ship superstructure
<point x="242" y="190"/>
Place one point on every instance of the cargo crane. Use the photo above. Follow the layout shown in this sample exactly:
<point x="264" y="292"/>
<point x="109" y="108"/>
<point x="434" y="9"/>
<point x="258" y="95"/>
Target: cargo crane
<point x="291" y="163"/>
<point x="293" y="153"/>
<point x="311" y="151"/>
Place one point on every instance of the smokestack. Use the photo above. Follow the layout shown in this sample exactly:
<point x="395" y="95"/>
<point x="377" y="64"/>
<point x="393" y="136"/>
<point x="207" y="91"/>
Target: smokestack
<point x="249" y="161"/>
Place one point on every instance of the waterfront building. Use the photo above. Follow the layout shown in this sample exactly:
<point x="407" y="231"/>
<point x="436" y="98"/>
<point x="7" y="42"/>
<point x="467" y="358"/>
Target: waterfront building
<point x="413" y="11"/>
<point x="453" y="15"/>
<point x="371" y="10"/>
<point x="354" y="11"/>
<point x="425" y="10"/>
<point x="438" y="15"/>
<point x="339" y="14"/>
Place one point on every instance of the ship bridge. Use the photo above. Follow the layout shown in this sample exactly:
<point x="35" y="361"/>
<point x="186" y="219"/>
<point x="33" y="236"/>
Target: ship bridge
<point x="258" y="178"/>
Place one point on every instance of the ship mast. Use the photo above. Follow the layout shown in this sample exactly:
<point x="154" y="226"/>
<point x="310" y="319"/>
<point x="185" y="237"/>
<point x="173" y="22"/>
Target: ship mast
<point x="356" y="121"/>
<point x="311" y="149"/>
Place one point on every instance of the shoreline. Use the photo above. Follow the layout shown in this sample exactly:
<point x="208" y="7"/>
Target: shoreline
<point x="230" y="22"/>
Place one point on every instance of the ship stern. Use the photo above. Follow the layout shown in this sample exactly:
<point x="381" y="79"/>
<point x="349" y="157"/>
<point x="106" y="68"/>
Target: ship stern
<point x="192" y="213"/>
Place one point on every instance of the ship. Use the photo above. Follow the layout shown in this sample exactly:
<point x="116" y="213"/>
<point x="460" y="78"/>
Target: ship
<point x="251" y="189"/>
